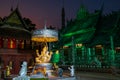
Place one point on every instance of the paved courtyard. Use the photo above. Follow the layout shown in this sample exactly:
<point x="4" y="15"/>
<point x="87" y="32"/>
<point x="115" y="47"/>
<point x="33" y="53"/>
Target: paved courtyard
<point x="86" y="76"/>
<point x="96" y="76"/>
<point x="89" y="76"/>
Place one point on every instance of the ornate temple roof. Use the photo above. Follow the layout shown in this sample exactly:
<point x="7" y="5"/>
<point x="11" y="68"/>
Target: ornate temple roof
<point x="82" y="13"/>
<point x="17" y="32"/>
<point x="15" y="18"/>
<point x="92" y="28"/>
<point x="14" y="26"/>
<point x="82" y="29"/>
<point x="108" y="26"/>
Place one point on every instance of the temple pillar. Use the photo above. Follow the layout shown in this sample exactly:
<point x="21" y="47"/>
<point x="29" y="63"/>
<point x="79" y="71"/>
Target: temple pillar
<point x="17" y="42"/>
<point x="62" y="57"/>
<point x="73" y="51"/>
<point x="5" y="43"/>
<point x="112" y="55"/>
<point x="1" y="42"/>
<point x="93" y="53"/>
<point x="69" y="55"/>
<point x="89" y="54"/>
<point x="82" y="52"/>
<point x="103" y="51"/>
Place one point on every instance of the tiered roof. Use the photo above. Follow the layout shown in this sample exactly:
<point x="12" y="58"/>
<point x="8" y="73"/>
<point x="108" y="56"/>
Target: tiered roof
<point x="108" y="26"/>
<point x="92" y="28"/>
<point x="14" y="26"/>
<point x="82" y="28"/>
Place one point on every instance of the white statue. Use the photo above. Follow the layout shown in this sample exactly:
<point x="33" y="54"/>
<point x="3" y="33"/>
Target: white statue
<point x="23" y="73"/>
<point x="23" y="70"/>
<point x="72" y="70"/>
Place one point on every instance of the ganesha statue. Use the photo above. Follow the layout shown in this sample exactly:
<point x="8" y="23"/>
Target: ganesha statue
<point x="45" y="55"/>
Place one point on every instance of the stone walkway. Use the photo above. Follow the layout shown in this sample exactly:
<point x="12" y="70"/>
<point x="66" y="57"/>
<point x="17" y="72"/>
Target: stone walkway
<point x="96" y="76"/>
<point x="86" y="76"/>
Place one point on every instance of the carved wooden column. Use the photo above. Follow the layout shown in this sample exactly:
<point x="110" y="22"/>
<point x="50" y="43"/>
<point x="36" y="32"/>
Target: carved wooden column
<point x="112" y="55"/>
<point x="89" y="54"/>
<point x="83" y="52"/>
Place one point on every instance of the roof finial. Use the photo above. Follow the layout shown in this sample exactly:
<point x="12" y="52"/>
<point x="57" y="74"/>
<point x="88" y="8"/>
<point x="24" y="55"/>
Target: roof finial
<point x="63" y="16"/>
<point x="102" y="7"/>
<point x="82" y="4"/>
<point x="17" y="4"/>
<point x="45" y="27"/>
<point x="12" y="5"/>
<point x="63" y="3"/>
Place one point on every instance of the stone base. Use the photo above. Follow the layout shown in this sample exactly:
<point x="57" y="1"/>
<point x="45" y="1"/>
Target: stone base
<point x="48" y="66"/>
<point x="55" y="78"/>
<point x="21" y="78"/>
<point x="63" y="78"/>
<point x="39" y="79"/>
<point x="42" y="70"/>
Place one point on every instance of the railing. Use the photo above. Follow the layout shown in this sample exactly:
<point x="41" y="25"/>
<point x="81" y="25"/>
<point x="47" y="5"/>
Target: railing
<point x="26" y="51"/>
<point x="89" y="68"/>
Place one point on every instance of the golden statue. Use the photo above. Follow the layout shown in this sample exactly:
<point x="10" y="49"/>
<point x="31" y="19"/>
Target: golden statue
<point x="44" y="57"/>
<point x="8" y="71"/>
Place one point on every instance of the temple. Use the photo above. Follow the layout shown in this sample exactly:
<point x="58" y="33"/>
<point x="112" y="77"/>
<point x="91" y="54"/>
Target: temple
<point x="15" y="40"/>
<point x="91" y="40"/>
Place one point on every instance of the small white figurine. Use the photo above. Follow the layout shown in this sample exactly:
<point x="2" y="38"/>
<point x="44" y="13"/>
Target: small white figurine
<point x="22" y="73"/>
<point x="72" y="70"/>
<point x="23" y="70"/>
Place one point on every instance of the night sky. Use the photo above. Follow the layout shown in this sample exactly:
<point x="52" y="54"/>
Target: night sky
<point x="40" y="11"/>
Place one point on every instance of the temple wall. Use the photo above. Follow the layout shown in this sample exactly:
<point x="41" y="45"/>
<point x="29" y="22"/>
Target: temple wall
<point x="15" y="59"/>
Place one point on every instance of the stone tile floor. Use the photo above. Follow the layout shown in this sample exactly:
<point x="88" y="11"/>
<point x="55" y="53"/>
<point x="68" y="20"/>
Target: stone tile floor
<point x="87" y="76"/>
<point x="97" y="76"/>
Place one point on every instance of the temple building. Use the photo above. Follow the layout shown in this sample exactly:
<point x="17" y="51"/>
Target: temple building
<point x="91" y="40"/>
<point x="15" y="40"/>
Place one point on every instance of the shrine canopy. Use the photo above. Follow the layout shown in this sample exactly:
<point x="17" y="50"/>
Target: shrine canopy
<point x="45" y="35"/>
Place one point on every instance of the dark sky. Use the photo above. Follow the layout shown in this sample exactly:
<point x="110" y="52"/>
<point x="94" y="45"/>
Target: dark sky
<point x="40" y="11"/>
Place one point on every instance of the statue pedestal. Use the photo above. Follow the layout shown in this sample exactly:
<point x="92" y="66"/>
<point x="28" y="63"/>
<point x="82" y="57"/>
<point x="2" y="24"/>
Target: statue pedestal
<point x="21" y="78"/>
<point x="42" y="69"/>
<point x="48" y="66"/>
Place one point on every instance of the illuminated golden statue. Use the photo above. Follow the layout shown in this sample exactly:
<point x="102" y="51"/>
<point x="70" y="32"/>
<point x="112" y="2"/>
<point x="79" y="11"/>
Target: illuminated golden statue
<point x="44" y="57"/>
<point x="8" y="71"/>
